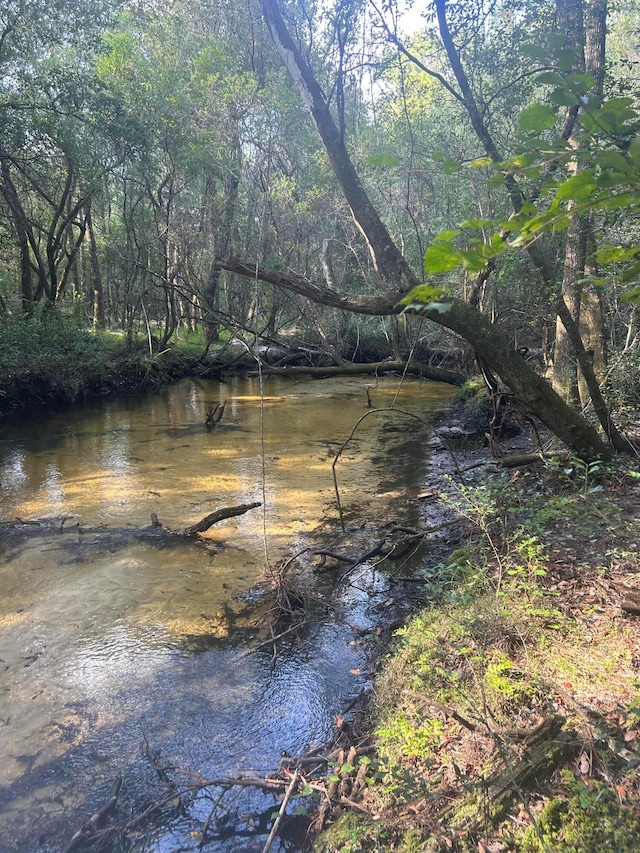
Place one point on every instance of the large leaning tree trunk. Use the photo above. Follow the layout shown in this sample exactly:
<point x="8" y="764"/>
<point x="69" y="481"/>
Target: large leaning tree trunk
<point x="396" y="276"/>
<point x="574" y="259"/>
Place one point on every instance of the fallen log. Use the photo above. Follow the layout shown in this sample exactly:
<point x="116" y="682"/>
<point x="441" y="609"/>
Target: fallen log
<point x="79" y="537"/>
<point x="422" y="371"/>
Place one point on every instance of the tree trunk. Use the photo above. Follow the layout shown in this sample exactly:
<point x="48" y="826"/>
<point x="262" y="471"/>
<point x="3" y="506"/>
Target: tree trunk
<point x="592" y="324"/>
<point x="565" y="366"/>
<point x="24" y="233"/>
<point x="96" y="277"/>
<point x="485" y="338"/>
<point x="396" y="275"/>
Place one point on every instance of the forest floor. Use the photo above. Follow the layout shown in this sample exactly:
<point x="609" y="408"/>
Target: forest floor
<point x="507" y="716"/>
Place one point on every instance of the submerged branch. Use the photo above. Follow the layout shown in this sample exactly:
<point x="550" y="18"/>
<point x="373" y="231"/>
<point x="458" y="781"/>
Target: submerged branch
<point x="213" y="518"/>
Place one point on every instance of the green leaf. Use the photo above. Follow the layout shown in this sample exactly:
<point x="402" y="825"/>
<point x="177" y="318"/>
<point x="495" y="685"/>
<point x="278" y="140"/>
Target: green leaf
<point x="632" y="295"/>
<point x="413" y="302"/>
<point x="450" y="167"/>
<point x="616" y="105"/>
<point x="576" y="187"/>
<point x="556" y="41"/>
<point x="441" y="257"/>
<point x="613" y="160"/>
<point x="535" y="118"/>
<point x="423" y="294"/>
<point x="480" y="161"/>
<point x="564" y="97"/>
<point x="616" y="202"/>
<point x="473" y="261"/>
<point x="551" y="77"/>
<point x="305" y="789"/>
<point x="535" y="51"/>
<point x="634" y="151"/>
<point x="616" y="254"/>
<point x="478" y="223"/>
<point x="631" y="273"/>
<point x="581" y="82"/>
<point x="566" y="58"/>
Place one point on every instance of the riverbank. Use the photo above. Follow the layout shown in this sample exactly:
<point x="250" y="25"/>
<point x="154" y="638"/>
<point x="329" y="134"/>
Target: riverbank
<point x="51" y="361"/>
<point x="506" y="717"/>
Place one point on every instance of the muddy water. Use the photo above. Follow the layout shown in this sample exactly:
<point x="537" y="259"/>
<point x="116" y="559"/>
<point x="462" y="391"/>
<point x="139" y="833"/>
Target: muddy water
<point x="114" y="649"/>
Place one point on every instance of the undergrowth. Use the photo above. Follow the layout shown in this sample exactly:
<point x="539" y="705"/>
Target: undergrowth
<point x="51" y="358"/>
<point x="524" y="637"/>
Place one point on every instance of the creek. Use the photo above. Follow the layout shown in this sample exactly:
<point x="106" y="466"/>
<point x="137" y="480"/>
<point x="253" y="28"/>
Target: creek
<point x="115" y="649"/>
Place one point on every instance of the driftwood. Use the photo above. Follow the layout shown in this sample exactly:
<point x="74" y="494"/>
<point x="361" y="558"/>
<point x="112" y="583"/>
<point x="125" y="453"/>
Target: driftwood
<point x="214" y="413"/>
<point x="285" y="802"/>
<point x="76" y="538"/>
<point x="396" y="552"/>
<point x="209" y="520"/>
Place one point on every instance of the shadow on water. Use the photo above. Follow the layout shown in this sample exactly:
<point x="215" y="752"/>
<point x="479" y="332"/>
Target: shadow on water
<point x="122" y="653"/>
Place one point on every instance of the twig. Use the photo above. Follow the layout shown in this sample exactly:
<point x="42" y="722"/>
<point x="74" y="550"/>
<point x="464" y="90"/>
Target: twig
<point x="445" y="709"/>
<point x="92" y="825"/>
<point x="271" y="641"/>
<point x="276" y="826"/>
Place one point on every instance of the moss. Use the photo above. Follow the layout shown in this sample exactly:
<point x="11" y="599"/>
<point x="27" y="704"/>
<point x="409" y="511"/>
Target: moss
<point x="340" y="834"/>
<point x="590" y="818"/>
<point x="351" y="833"/>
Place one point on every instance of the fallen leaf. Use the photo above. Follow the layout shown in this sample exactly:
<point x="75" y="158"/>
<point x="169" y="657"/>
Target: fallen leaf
<point x="584" y="765"/>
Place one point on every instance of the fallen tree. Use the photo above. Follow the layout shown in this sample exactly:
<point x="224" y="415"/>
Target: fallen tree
<point x="423" y="371"/>
<point x="155" y="532"/>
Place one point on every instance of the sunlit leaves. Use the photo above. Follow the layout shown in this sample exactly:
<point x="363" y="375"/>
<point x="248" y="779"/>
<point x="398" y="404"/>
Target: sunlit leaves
<point x="425" y="297"/>
<point x="608" y="254"/>
<point x="480" y="161"/>
<point x="579" y="186"/>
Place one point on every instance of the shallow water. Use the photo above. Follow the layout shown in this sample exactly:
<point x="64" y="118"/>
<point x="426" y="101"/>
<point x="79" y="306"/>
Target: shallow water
<point x="109" y="643"/>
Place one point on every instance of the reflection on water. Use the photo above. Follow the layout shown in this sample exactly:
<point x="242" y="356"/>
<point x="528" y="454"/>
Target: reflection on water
<point x="94" y="656"/>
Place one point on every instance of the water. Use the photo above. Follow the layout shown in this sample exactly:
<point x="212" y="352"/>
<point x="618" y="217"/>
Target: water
<point x="115" y="649"/>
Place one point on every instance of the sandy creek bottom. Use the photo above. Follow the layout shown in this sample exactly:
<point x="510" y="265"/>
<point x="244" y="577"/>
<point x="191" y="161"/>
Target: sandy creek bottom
<point x="111" y="647"/>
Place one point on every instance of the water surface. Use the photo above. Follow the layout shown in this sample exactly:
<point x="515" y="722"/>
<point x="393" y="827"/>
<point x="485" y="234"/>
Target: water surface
<point x="112" y="648"/>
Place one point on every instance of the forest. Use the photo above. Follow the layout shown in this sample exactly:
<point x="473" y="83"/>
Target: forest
<point x="447" y="189"/>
